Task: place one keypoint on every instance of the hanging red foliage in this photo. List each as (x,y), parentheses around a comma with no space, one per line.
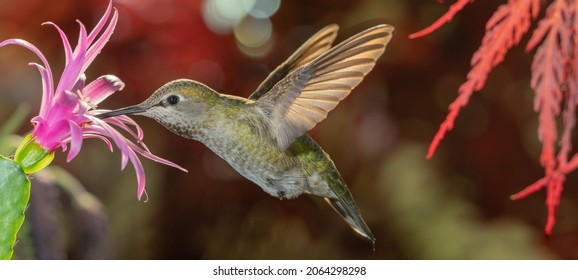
(554,80)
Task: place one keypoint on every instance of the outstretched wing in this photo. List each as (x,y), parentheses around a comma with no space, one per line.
(305,96)
(312,48)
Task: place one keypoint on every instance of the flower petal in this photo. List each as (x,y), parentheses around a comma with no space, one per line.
(63,107)
(100,23)
(153,157)
(101,88)
(98,136)
(73,69)
(118,139)
(95,49)
(127,153)
(46,88)
(65,42)
(124,145)
(124,124)
(79,85)
(46,74)
(50,136)
(28,45)
(140,174)
(75,140)
(128,121)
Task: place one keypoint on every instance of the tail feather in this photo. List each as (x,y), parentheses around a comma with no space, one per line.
(353,218)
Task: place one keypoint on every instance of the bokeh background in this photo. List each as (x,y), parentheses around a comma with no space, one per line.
(454,206)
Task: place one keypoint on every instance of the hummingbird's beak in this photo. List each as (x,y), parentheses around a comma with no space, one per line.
(124,111)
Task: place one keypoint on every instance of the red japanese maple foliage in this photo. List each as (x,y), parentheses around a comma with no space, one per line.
(554,80)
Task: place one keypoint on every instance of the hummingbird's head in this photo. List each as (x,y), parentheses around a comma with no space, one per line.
(174,105)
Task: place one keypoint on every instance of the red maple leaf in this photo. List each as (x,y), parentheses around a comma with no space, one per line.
(554,80)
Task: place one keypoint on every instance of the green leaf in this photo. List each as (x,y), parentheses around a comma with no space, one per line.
(14,195)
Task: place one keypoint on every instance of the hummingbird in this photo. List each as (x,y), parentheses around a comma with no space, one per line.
(264,137)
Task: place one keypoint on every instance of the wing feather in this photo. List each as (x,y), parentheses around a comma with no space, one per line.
(311,49)
(305,96)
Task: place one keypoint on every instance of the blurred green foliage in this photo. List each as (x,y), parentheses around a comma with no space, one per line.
(437,222)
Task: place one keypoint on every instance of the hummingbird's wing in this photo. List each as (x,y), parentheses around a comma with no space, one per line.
(312,48)
(305,96)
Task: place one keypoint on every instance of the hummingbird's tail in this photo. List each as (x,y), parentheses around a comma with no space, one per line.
(353,218)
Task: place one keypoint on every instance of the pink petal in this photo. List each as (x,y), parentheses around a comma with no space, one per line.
(29,46)
(100,23)
(50,136)
(95,49)
(125,145)
(73,69)
(62,108)
(75,140)
(46,88)
(37,120)
(96,130)
(65,42)
(126,152)
(39,126)
(127,120)
(140,174)
(123,125)
(98,136)
(101,88)
(47,96)
(153,157)
(80,83)
(116,137)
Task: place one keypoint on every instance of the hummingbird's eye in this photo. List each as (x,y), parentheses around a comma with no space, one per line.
(173,99)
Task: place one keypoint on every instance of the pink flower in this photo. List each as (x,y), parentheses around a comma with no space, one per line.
(67,112)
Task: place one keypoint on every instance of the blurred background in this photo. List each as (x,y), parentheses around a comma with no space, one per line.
(454,206)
